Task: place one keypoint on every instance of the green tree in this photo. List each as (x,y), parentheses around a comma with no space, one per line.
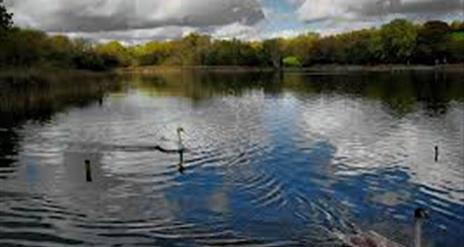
(273,51)
(114,54)
(457,26)
(24,47)
(375,47)
(300,47)
(432,42)
(398,41)
(86,57)
(153,53)
(193,49)
(88,60)
(327,50)
(61,50)
(233,52)
(456,47)
(355,47)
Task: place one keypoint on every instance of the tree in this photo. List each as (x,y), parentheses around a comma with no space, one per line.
(61,49)
(432,42)
(193,49)
(273,50)
(398,41)
(457,26)
(353,47)
(327,50)
(153,53)
(6,19)
(114,54)
(375,47)
(300,47)
(24,47)
(88,60)
(456,47)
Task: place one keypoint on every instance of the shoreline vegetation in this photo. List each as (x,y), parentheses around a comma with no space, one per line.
(19,75)
(39,74)
(315,68)
(399,45)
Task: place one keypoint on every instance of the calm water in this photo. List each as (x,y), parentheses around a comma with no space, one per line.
(272,160)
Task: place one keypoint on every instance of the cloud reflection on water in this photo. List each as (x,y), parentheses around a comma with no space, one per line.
(292,150)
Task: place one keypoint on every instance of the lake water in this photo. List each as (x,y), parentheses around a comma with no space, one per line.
(271,159)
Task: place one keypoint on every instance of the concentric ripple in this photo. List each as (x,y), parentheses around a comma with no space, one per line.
(299,161)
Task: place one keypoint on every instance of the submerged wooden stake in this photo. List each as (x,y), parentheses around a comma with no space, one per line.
(88,171)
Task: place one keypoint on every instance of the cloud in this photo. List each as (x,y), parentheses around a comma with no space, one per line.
(135,36)
(141,20)
(236,30)
(316,10)
(118,15)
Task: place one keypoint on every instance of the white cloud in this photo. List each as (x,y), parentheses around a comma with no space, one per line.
(314,10)
(134,36)
(322,9)
(236,30)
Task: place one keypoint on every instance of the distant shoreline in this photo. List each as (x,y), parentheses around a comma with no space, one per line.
(316,68)
(38,74)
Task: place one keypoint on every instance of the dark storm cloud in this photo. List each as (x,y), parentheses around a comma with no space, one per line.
(118,15)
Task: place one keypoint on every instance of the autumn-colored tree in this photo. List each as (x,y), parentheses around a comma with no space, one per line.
(114,54)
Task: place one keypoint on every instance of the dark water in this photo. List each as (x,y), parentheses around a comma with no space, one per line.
(271,160)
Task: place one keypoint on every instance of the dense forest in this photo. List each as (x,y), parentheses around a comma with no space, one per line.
(398,42)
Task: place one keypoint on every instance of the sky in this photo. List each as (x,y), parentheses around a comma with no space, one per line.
(135,21)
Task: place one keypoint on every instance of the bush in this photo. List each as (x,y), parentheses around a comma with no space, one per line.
(292,61)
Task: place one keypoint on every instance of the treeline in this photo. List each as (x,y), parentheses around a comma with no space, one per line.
(26,48)
(398,42)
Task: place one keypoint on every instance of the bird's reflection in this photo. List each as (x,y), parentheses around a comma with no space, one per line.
(180,165)
(177,148)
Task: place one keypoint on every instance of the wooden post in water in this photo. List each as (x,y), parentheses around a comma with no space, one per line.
(88,171)
(436,154)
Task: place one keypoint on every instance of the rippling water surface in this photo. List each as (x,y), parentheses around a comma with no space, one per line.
(272,160)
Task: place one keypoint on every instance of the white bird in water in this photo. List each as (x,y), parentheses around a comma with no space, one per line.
(177,147)
(373,239)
